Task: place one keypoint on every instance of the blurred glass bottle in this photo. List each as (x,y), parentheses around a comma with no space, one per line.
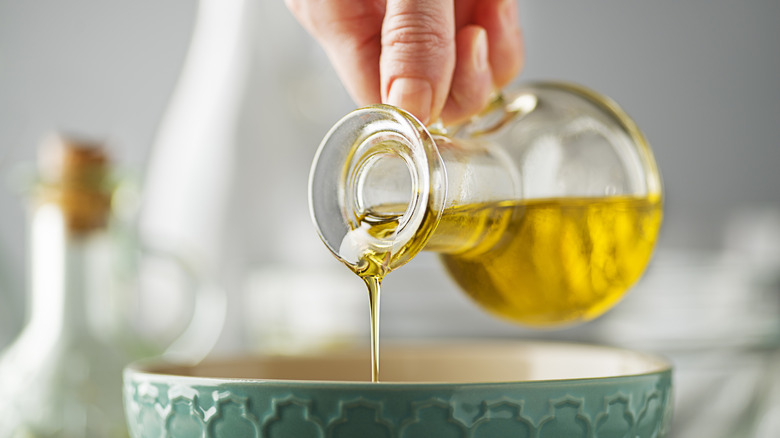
(188,181)
(62,376)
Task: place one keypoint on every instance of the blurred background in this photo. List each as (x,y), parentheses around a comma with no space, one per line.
(215,117)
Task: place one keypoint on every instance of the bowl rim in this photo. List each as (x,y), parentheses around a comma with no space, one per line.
(153,369)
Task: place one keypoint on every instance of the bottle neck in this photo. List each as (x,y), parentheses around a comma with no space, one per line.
(377,189)
(63,273)
(381,182)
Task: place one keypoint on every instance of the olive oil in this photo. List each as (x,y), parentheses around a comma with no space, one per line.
(551,262)
(373,283)
(540,262)
(372,267)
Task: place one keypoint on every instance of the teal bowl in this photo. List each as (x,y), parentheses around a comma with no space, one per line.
(480,390)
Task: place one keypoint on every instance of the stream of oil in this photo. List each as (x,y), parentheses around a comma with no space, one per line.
(372,266)
(373,283)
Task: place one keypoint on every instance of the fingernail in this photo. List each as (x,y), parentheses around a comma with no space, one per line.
(480,54)
(412,94)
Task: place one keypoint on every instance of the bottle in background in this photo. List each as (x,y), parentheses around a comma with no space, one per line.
(62,375)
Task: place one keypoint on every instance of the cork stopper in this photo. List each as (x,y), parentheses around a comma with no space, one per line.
(74,174)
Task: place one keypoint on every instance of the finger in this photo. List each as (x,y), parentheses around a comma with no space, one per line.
(472,81)
(350,34)
(357,65)
(506,54)
(418,55)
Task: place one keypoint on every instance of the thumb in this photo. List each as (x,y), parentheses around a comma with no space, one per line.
(418,55)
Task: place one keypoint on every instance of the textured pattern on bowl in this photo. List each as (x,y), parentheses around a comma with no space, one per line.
(631,405)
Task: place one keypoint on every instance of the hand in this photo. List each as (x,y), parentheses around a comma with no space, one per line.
(434,58)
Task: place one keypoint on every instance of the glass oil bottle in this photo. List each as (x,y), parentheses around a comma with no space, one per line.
(62,375)
(544,209)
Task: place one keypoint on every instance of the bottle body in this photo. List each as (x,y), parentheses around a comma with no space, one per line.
(59,379)
(545,210)
(547,262)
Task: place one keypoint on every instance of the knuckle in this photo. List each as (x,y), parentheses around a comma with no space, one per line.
(411,34)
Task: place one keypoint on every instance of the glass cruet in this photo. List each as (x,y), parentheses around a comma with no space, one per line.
(544,209)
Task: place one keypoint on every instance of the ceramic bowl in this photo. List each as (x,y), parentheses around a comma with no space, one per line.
(540,390)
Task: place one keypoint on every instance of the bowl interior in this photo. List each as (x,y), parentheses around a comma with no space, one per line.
(441,363)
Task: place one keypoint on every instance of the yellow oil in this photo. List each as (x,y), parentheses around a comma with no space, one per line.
(372,268)
(551,262)
(542,262)
(373,283)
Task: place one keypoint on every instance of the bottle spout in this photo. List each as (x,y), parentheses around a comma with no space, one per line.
(376,189)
